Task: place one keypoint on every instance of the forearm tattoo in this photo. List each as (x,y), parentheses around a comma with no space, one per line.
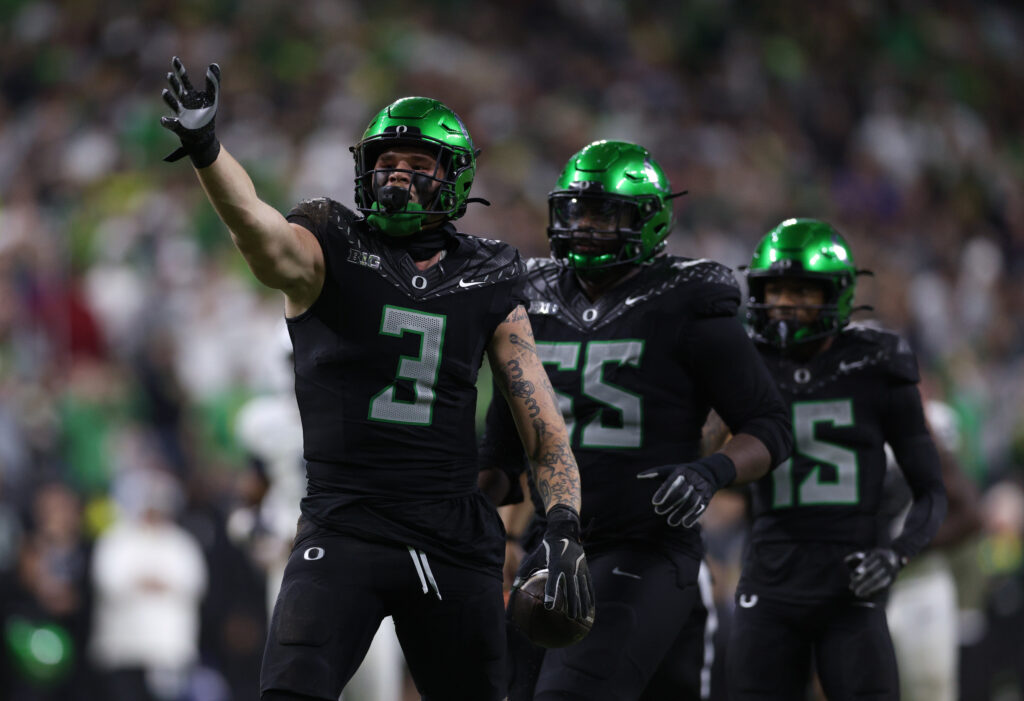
(555,473)
(526,384)
(523,389)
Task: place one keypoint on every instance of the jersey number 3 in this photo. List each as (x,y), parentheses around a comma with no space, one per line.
(421,370)
(813,489)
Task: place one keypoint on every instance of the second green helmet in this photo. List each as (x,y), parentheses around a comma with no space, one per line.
(808,249)
(423,123)
(611,206)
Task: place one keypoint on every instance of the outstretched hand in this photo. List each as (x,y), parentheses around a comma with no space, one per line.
(194,114)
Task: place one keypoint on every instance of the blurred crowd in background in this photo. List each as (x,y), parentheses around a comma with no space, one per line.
(135,531)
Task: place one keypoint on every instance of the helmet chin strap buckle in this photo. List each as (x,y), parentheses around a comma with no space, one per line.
(393,198)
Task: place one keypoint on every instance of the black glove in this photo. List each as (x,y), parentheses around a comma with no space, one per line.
(873,571)
(687,489)
(561,553)
(194,114)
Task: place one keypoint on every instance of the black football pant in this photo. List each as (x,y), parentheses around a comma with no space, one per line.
(648,641)
(337,589)
(773,643)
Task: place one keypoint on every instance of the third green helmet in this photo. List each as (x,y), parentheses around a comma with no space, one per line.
(611,206)
(423,123)
(807,249)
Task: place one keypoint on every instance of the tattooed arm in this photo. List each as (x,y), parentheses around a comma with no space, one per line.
(522,379)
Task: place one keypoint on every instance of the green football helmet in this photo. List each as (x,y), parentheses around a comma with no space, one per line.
(611,207)
(807,249)
(424,123)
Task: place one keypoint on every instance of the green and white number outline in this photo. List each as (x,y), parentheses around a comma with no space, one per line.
(812,490)
(422,369)
(565,356)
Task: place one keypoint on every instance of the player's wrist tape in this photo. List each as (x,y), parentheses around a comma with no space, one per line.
(564,520)
(717,468)
(202,155)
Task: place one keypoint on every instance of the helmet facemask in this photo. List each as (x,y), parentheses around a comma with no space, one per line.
(809,251)
(611,209)
(787,330)
(428,127)
(592,231)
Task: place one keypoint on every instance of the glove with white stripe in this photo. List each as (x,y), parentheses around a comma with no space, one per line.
(686,490)
(569,586)
(194,114)
(873,571)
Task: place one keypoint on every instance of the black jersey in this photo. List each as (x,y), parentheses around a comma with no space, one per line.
(636,373)
(386,363)
(847,403)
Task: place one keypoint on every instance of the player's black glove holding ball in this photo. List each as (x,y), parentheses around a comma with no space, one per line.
(561,565)
(194,113)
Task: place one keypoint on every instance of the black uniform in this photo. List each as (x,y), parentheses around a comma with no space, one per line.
(821,505)
(636,373)
(386,363)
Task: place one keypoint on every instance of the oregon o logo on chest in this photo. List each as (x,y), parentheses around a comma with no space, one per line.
(419,282)
(589,315)
(314,553)
(802,376)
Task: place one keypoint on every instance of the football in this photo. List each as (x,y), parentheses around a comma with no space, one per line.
(543,627)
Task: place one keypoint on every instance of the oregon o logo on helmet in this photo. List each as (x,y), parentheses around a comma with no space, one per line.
(401,129)
(314,553)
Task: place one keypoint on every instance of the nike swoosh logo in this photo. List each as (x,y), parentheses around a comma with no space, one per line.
(846,367)
(630,301)
(622,573)
(748,601)
(471,283)
(565,545)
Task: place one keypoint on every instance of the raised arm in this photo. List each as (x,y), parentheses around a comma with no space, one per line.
(523,381)
(281,255)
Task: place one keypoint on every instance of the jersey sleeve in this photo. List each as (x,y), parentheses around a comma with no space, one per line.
(515,294)
(327,220)
(907,434)
(732,376)
(713,291)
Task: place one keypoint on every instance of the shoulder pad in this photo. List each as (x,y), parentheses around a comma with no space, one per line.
(542,276)
(325,213)
(492,260)
(711,288)
(890,352)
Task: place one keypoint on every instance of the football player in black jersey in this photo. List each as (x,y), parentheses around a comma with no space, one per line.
(639,346)
(817,569)
(390,313)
